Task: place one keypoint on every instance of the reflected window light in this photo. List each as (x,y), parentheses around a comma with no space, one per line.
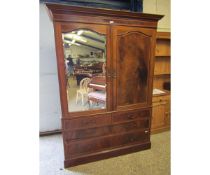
(75,37)
(80,32)
(77,44)
(71,42)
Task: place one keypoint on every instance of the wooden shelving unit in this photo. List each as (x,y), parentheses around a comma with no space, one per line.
(162,73)
(162,69)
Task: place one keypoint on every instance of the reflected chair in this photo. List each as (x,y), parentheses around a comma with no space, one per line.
(97,97)
(83,89)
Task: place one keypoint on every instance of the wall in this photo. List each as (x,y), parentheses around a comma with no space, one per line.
(159,7)
(49,90)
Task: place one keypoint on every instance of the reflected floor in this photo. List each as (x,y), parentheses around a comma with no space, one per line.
(72,105)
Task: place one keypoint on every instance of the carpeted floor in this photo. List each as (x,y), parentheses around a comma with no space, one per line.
(155,161)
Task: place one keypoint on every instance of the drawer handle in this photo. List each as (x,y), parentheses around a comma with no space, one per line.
(146,132)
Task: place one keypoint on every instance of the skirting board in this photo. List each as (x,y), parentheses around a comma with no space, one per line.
(47,133)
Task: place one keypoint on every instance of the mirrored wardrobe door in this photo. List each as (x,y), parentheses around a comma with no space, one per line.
(85,60)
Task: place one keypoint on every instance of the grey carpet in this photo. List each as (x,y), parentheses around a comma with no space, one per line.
(155,161)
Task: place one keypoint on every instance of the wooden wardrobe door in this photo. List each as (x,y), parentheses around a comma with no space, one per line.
(133,52)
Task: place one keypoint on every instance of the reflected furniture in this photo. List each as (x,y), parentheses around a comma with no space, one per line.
(98,82)
(123,126)
(83,89)
(97,97)
(98,94)
(87,71)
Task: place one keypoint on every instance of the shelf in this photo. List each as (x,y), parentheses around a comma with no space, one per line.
(163,48)
(164,56)
(162,68)
(163,35)
(162,79)
(161,74)
(159,80)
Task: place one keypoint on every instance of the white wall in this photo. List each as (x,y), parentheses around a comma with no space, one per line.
(162,7)
(49,90)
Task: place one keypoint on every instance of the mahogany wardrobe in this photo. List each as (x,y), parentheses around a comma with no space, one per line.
(105,61)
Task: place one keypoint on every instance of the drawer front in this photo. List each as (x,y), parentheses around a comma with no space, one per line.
(138,136)
(99,144)
(87,122)
(122,117)
(129,126)
(86,133)
(161,98)
(105,130)
(75,148)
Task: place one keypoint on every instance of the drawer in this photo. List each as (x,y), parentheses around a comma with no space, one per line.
(86,133)
(93,145)
(132,137)
(86,122)
(129,126)
(121,117)
(161,98)
(105,130)
(74,148)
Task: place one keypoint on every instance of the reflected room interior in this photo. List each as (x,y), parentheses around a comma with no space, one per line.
(85,63)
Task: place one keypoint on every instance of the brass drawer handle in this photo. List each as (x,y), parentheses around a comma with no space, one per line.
(146,132)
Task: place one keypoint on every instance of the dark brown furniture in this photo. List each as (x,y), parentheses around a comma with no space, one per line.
(124,125)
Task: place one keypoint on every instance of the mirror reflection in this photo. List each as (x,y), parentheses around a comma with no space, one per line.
(85,63)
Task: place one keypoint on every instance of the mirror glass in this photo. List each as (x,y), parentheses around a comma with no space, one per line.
(85,63)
